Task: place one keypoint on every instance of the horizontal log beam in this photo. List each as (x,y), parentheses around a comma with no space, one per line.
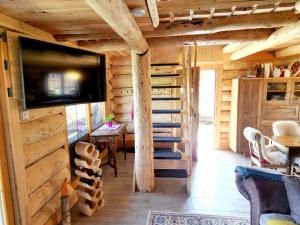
(233,47)
(221,38)
(282,35)
(288,52)
(259,21)
(117,15)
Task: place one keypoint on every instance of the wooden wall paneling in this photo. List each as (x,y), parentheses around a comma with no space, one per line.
(56,217)
(36,150)
(43,128)
(51,213)
(43,194)
(34,114)
(14,145)
(46,168)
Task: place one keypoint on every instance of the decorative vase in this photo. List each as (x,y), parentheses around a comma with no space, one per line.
(109,123)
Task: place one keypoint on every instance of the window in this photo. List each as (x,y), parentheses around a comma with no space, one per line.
(77,121)
(97,115)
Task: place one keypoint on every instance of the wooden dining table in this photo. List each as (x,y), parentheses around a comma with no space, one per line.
(291,142)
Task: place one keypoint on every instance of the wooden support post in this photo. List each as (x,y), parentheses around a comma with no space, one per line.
(194,107)
(187,104)
(144,163)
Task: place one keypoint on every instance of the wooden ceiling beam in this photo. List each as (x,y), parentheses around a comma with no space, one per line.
(221,38)
(261,21)
(288,52)
(280,36)
(153,12)
(233,47)
(116,14)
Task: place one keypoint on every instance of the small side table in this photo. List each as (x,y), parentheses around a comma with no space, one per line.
(109,136)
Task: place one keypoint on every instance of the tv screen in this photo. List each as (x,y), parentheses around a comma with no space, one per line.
(54,75)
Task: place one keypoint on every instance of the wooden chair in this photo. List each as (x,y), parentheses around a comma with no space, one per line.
(295,168)
(262,155)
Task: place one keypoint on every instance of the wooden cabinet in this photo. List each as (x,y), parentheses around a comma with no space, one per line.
(258,102)
(244,111)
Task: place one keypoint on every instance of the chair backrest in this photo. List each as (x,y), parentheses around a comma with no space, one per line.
(286,128)
(256,142)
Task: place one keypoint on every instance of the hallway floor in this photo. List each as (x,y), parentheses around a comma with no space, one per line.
(213,189)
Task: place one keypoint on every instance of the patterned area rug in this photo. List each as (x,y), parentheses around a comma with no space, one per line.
(170,218)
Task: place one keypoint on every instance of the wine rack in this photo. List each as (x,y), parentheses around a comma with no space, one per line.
(90,185)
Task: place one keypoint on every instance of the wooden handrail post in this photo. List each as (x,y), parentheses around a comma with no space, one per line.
(144,162)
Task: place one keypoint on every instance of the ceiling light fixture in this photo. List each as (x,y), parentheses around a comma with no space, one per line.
(138,12)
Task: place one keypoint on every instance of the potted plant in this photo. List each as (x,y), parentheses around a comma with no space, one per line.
(109,119)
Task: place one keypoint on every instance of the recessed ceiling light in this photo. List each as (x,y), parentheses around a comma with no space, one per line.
(138,12)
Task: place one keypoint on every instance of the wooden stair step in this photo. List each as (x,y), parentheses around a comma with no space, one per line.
(165,98)
(166,86)
(171,173)
(167,139)
(166,154)
(166,111)
(165,64)
(166,125)
(166,75)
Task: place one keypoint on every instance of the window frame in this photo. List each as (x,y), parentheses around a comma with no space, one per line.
(90,128)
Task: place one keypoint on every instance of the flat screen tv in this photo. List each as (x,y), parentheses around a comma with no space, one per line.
(54,75)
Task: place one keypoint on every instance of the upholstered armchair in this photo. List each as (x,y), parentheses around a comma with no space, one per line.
(265,191)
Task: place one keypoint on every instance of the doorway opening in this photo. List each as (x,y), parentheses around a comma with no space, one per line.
(206,109)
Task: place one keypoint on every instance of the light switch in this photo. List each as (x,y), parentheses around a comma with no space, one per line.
(24,115)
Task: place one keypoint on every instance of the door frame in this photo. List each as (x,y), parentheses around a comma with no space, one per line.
(218,97)
(4,180)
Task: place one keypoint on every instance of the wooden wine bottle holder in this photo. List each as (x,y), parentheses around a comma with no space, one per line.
(90,193)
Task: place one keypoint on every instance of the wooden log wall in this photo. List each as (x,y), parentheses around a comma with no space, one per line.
(121,92)
(44,146)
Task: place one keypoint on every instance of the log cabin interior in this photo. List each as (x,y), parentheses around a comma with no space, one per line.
(102,120)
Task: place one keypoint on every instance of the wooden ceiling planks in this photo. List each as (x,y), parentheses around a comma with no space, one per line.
(71,16)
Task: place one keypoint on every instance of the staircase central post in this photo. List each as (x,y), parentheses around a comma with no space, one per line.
(144,162)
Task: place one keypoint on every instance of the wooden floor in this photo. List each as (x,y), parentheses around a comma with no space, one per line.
(213,190)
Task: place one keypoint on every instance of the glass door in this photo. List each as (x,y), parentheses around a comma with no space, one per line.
(276,91)
(295,95)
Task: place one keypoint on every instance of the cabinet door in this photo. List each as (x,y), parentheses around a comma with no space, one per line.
(248,110)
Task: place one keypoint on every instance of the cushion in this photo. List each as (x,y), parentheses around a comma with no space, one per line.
(292,185)
(259,173)
(276,219)
(286,128)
